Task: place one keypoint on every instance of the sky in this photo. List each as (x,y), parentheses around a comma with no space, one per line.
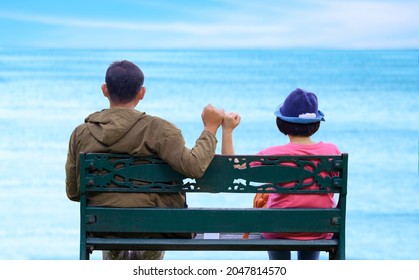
(204,24)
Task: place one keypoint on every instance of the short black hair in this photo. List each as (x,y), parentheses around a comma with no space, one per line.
(123,79)
(297,129)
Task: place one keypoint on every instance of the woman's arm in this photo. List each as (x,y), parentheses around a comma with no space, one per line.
(230,122)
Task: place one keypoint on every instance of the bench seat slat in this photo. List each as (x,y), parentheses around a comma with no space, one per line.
(210,244)
(211,220)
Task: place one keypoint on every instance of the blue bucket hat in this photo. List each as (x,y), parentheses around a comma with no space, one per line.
(300,106)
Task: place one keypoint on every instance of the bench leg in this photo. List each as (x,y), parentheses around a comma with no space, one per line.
(84,252)
(336,255)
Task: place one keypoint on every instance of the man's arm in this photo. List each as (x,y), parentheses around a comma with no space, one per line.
(71,171)
(170,144)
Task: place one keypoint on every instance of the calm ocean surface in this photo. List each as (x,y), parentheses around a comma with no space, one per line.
(370,100)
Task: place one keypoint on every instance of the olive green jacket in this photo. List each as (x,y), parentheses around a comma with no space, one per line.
(121,130)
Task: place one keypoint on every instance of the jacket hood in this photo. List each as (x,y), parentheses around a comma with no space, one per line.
(110,125)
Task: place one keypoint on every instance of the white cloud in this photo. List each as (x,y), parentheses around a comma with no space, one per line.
(181,27)
(334,24)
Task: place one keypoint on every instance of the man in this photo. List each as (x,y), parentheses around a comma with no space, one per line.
(123,129)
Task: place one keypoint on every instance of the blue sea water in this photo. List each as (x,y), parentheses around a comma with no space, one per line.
(370,99)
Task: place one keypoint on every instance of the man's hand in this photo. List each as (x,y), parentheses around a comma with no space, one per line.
(212,118)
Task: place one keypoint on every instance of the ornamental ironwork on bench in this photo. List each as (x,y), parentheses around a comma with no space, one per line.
(240,173)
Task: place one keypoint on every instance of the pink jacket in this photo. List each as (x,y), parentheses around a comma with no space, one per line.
(301,201)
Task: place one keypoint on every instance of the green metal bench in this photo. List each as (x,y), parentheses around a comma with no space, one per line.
(125,173)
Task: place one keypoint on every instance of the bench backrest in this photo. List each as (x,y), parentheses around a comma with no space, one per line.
(226,174)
